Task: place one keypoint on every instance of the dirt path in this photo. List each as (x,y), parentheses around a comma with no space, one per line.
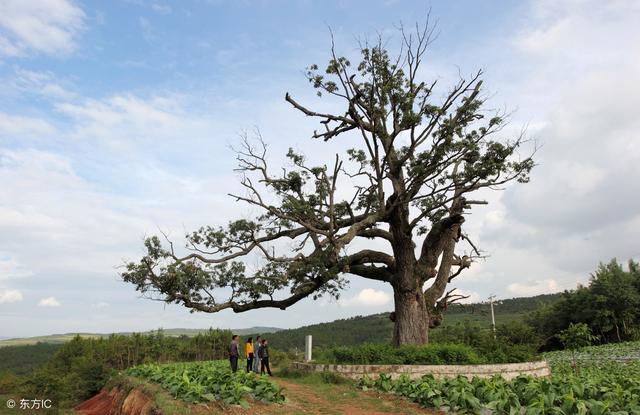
(327,399)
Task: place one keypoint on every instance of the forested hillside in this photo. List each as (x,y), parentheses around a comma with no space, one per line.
(22,360)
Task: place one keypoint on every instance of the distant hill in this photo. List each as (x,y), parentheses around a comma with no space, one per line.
(377,328)
(175,332)
(506,308)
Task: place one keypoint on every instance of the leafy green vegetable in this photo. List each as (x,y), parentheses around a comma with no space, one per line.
(600,388)
(208,381)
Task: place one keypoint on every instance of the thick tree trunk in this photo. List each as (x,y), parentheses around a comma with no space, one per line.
(411,318)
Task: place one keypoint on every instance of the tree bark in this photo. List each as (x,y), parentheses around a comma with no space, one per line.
(411,318)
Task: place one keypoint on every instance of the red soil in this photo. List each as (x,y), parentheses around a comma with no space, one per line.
(114,402)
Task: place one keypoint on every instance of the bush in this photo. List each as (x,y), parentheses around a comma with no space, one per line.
(486,350)
(518,332)
(514,341)
(281,359)
(432,354)
(497,351)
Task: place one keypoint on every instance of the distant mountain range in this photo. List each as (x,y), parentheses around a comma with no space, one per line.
(175,332)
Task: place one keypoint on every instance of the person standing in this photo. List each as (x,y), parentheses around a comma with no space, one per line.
(256,359)
(234,353)
(264,348)
(248,351)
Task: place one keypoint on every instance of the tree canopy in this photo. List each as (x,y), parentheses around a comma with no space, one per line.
(609,305)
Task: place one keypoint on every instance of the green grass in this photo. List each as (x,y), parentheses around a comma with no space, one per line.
(53,339)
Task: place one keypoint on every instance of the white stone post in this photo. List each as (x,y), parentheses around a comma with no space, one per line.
(307,348)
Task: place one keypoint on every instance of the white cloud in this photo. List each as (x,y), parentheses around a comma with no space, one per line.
(581,86)
(565,30)
(42,83)
(161,8)
(16,125)
(100,305)
(10,268)
(473,296)
(148,31)
(130,116)
(49,302)
(367,297)
(40,26)
(10,296)
(530,288)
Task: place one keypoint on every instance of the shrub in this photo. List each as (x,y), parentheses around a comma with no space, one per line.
(486,350)
(497,351)
(281,359)
(432,354)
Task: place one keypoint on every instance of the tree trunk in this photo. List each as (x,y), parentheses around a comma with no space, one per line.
(411,318)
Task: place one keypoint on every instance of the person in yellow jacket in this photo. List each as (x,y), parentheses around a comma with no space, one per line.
(248,351)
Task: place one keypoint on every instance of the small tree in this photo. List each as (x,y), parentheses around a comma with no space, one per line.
(406,184)
(574,338)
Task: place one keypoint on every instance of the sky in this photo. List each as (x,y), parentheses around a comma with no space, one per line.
(117,121)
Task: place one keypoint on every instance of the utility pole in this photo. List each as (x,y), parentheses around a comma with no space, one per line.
(493,317)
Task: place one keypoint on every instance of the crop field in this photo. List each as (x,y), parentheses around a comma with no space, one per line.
(599,388)
(627,351)
(209,381)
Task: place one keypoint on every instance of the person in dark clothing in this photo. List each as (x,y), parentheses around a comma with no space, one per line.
(234,353)
(264,357)
(248,350)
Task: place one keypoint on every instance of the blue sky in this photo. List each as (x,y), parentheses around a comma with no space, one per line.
(116,121)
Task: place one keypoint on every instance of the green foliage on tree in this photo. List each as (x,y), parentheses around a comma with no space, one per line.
(22,360)
(576,336)
(609,305)
(407,183)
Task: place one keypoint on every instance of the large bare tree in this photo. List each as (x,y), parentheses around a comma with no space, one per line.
(391,210)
